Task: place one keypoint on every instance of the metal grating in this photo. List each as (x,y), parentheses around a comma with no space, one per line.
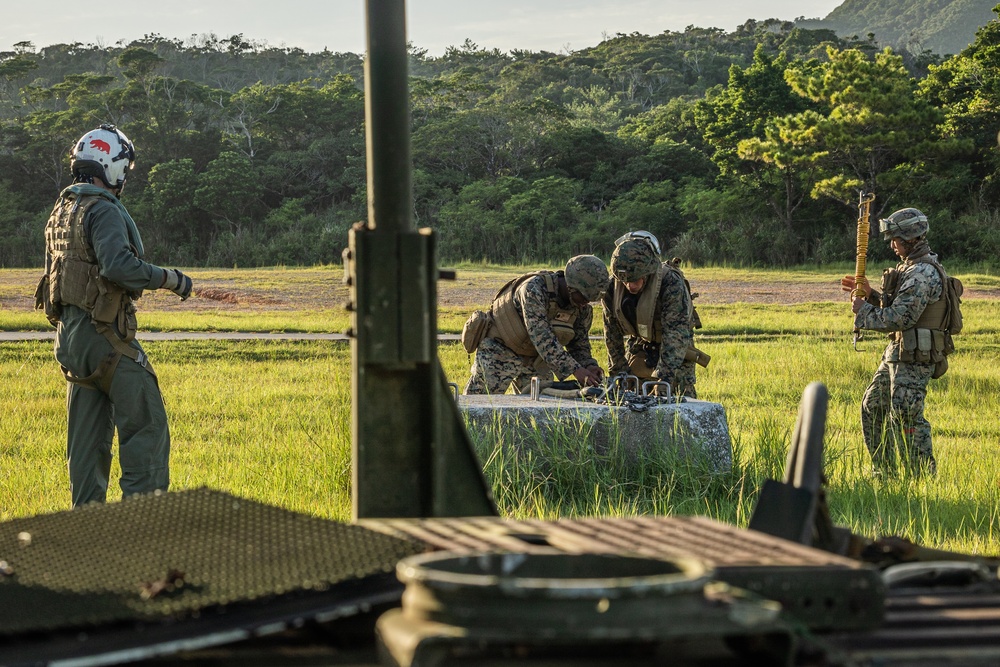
(665,537)
(174,555)
(247,571)
(822,590)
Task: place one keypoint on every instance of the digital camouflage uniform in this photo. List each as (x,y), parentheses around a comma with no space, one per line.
(665,357)
(497,367)
(129,399)
(892,410)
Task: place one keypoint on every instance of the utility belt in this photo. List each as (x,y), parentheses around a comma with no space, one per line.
(923,345)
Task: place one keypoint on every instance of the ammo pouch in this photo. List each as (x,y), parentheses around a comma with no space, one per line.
(80,284)
(475,329)
(923,346)
(649,353)
(642,358)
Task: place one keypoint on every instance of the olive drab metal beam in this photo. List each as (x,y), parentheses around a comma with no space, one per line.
(411,454)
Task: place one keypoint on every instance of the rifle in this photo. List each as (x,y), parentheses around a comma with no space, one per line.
(865,200)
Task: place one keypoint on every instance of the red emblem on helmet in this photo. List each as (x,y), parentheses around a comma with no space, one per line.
(101,145)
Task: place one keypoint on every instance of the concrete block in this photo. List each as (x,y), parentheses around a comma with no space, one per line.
(692,428)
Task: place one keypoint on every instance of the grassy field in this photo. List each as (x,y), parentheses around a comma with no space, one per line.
(271,420)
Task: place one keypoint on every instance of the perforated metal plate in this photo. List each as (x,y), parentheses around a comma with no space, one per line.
(177,556)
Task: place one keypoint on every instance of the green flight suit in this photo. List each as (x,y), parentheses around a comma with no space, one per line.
(132,404)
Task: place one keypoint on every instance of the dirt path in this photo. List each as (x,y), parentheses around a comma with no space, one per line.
(316,290)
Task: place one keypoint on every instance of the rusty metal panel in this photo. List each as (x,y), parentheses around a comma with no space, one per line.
(704,538)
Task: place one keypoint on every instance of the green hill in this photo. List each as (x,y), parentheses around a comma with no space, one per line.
(941,26)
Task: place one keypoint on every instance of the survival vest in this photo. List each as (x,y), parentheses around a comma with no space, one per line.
(508,324)
(647,325)
(74,277)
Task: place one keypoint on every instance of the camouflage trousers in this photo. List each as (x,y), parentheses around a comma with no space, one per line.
(684,380)
(496,367)
(892,418)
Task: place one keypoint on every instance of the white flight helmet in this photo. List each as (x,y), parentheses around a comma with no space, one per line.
(106,153)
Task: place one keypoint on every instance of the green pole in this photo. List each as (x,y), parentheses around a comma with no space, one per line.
(410,453)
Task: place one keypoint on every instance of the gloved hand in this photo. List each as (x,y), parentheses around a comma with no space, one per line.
(176,282)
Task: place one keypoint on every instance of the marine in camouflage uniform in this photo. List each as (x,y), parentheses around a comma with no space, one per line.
(94,270)
(541,326)
(892,410)
(649,317)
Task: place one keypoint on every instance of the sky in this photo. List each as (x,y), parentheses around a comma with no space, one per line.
(434,25)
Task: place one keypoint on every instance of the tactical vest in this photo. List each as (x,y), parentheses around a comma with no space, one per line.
(508,324)
(927,341)
(74,276)
(648,326)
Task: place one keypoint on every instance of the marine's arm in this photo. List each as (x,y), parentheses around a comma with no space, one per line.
(115,257)
(677,337)
(579,348)
(533,300)
(920,285)
(614,336)
(118,261)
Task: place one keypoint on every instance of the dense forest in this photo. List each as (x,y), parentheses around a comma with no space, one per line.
(746,147)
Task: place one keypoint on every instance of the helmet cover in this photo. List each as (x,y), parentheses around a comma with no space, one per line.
(634,259)
(587,275)
(104,152)
(648,237)
(906,224)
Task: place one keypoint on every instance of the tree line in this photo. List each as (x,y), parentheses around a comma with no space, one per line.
(747,147)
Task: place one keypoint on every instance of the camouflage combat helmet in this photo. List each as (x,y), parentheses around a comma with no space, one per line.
(634,258)
(587,275)
(906,224)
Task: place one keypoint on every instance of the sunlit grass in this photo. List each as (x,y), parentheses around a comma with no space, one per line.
(271,421)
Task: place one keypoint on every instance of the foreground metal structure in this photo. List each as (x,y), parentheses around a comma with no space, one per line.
(204,577)
(414,459)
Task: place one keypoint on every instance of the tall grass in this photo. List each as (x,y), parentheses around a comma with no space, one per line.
(271,421)
(268,421)
(760,367)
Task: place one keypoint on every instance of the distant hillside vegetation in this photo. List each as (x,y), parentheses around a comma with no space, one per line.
(941,26)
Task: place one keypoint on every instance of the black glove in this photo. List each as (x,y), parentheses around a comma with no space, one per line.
(176,282)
